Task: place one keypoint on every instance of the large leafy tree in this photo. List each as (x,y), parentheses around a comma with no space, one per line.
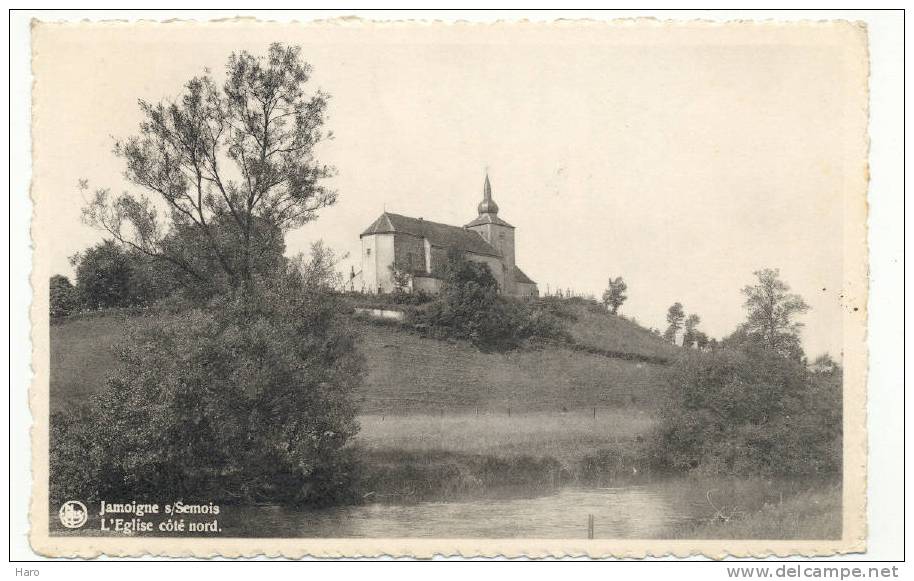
(749,411)
(184,242)
(772,311)
(247,401)
(614,295)
(247,398)
(108,276)
(62,295)
(103,276)
(674,317)
(241,154)
(690,336)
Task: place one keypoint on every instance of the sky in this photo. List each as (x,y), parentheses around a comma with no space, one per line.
(680,158)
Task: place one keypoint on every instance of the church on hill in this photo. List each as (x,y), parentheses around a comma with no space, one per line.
(421,246)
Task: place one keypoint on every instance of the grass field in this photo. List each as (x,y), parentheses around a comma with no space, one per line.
(567,437)
(83,350)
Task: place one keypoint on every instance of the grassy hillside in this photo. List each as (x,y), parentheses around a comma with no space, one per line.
(595,326)
(591,325)
(83,351)
(408,374)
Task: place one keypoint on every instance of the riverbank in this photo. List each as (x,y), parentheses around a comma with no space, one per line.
(814,513)
(661,508)
(492,457)
(492,454)
(566,436)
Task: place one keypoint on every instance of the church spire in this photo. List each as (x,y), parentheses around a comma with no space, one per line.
(488,205)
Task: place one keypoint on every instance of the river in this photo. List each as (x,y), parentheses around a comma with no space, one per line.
(660,508)
(642,511)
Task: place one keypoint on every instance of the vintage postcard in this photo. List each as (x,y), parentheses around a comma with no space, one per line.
(354,288)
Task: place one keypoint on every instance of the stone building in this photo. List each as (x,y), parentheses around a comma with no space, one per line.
(420,247)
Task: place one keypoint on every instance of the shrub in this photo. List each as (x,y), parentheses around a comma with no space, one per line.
(246,401)
(63,297)
(417,297)
(103,276)
(108,276)
(470,308)
(558,307)
(386,300)
(749,412)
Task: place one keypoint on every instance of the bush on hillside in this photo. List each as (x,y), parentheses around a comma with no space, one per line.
(556,307)
(109,276)
(742,339)
(407,303)
(417,297)
(246,401)
(103,276)
(63,298)
(749,412)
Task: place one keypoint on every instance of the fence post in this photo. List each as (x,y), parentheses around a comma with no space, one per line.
(594,413)
(589,526)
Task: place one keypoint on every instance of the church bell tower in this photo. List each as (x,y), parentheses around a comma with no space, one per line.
(496,232)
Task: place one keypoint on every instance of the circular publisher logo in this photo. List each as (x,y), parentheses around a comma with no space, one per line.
(73,514)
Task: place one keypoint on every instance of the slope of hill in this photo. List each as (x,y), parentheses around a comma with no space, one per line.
(596,327)
(591,325)
(82,351)
(407,373)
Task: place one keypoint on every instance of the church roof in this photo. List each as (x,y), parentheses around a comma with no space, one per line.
(488,209)
(487,205)
(519,276)
(488,219)
(440,235)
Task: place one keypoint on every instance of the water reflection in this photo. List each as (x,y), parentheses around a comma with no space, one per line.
(663,508)
(629,512)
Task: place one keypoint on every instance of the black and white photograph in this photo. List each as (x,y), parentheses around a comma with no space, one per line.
(532,289)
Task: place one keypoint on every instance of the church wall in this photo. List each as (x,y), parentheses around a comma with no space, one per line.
(438,258)
(426,284)
(410,250)
(502,239)
(525,289)
(369,276)
(377,255)
(495,266)
(380,251)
